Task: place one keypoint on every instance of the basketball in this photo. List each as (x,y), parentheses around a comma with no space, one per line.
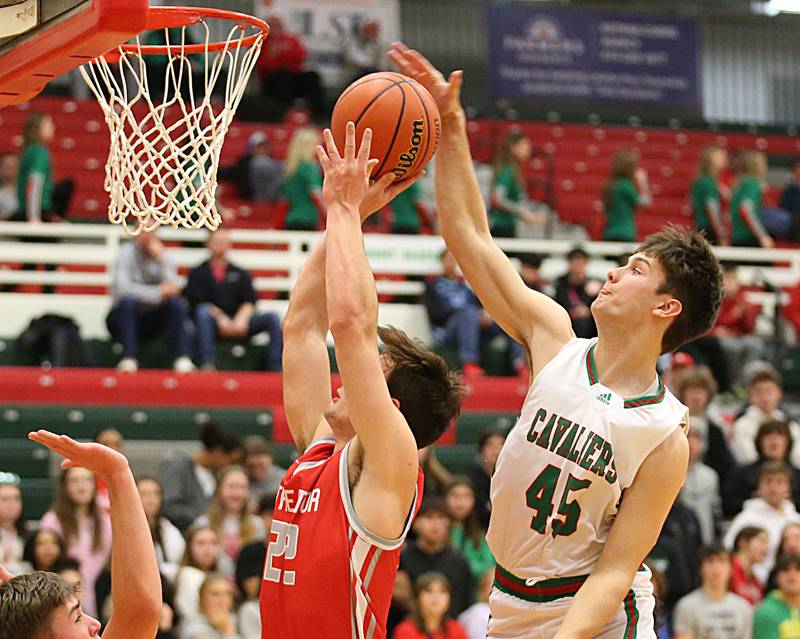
(402,115)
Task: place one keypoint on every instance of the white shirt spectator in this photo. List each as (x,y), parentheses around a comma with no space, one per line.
(743,445)
(699,616)
(170,551)
(250,620)
(700,492)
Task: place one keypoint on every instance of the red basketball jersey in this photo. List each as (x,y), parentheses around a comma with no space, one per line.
(325,574)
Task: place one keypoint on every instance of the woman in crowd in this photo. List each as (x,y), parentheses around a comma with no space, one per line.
(84,526)
(466,534)
(626,190)
(747,203)
(509,197)
(167,539)
(429,618)
(43,550)
(229,515)
(750,547)
(12,524)
(790,545)
(302,182)
(706,200)
(215,618)
(199,561)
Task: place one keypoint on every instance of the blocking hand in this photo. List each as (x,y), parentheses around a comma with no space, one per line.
(346,178)
(447,93)
(97,458)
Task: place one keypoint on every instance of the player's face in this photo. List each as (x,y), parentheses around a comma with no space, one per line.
(434,600)
(70,622)
(338,416)
(716,570)
(10,504)
(460,502)
(46,549)
(150,494)
(80,486)
(205,548)
(765,395)
(234,492)
(789,581)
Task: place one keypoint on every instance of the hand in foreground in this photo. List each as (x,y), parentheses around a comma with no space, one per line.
(384,190)
(447,93)
(97,458)
(5,575)
(346,178)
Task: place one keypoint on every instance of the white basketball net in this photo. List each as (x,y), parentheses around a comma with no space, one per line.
(165,148)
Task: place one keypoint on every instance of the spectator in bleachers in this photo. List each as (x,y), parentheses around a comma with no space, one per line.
(302,182)
(437,477)
(264,475)
(9,200)
(169,622)
(282,72)
(167,539)
(112,438)
(39,199)
(466,534)
(490,443)
(749,548)
(12,524)
(256,174)
(695,387)
(773,442)
(683,527)
(669,559)
(43,549)
(189,482)
(215,618)
(790,201)
(250,572)
(747,203)
(70,570)
(224,301)
(229,514)
(199,560)
(712,610)
(402,602)
(429,615)
(509,197)
(661,620)
(776,617)
(706,200)
(765,394)
(626,189)
(84,526)
(431,551)
(530,265)
(475,619)
(771,510)
(363,52)
(410,214)
(700,490)
(791,311)
(789,545)
(575,291)
(147,302)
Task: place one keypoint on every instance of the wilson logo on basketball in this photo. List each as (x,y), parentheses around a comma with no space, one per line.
(407,159)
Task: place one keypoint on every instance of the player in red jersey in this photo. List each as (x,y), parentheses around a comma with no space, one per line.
(345,505)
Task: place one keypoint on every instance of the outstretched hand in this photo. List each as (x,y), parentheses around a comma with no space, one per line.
(346,178)
(97,458)
(446,92)
(384,190)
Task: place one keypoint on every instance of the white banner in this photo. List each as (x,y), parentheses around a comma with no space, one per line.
(325,26)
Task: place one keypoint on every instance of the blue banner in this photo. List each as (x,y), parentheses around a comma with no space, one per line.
(567,54)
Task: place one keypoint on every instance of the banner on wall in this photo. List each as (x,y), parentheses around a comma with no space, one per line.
(567,54)
(325,25)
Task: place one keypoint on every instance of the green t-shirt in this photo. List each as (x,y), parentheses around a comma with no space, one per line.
(704,188)
(620,225)
(35,159)
(506,178)
(297,189)
(404,212)
(774,619)
(748,188)
(479,559)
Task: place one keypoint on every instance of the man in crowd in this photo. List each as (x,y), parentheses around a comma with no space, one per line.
(576,292)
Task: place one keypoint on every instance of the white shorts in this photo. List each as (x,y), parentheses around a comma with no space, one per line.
(537,612)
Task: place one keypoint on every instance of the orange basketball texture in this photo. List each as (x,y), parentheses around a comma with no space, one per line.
(403,117)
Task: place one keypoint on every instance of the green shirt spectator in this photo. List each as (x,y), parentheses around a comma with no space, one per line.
(620,223)
(503,222)
(298,189)
(479,558)
(35,182)
(746,224)
(405,214)
(775,619)
(705,202)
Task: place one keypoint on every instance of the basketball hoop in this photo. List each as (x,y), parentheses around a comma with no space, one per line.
(165,150)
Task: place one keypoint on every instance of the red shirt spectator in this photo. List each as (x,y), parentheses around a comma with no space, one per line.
(737,316)
(282,51)
(792,310)
(744,585)
(408,630)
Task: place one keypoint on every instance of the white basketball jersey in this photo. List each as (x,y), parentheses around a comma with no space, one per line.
(576,447)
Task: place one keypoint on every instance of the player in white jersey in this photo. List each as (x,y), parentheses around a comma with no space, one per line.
(589,472)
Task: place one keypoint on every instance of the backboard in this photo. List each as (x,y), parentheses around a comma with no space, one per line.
(43,39)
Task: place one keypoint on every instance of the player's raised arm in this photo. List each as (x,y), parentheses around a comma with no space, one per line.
(389,447)
(524,314)
(135,582)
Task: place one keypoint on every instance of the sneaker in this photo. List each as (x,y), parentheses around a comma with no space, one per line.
(183,365)
(128,365)
(471,369)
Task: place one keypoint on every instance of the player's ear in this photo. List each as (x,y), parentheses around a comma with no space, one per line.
(670,307)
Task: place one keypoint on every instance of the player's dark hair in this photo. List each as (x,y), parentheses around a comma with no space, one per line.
(429,393)
(693,275)
(769,427)
(215,436)
(708,551)
(748,533)
(27,603)
(421,584)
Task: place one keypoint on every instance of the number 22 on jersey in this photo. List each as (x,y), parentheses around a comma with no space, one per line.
(539,497)
(284,545)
